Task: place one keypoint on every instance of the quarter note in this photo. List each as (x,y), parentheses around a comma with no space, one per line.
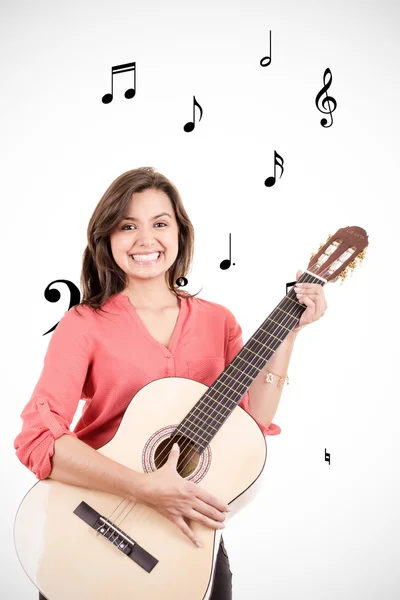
(268,58)
(107,98)
(270,181)
(225,264)
(191,124)
(326,100)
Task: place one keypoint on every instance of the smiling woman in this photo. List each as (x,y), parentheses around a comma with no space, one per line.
(140,213)
(132,327)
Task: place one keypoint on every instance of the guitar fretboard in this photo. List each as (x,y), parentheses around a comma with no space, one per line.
(214,407)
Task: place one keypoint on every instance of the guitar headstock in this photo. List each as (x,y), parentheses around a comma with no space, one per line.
(339,253)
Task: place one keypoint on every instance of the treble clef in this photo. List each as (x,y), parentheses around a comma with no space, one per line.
(326,100)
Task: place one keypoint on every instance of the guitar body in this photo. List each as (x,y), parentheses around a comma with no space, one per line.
(66,556)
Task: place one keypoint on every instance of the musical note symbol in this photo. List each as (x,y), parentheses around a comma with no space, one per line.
(270,181)
(107,98)
(326,100)
(267,57)
(327,457)
(54,296)
(290,284)
(191,124)
(225,264)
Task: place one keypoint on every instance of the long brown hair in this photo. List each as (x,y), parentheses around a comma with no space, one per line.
(101,277)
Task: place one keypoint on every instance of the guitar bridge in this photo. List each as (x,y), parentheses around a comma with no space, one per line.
(116,536)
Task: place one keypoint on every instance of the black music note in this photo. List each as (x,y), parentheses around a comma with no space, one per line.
(326,100)
(107,98)
(181,281)
(270,181)
(191,124)
(267,57)
(290,284)
(54,296)
(327,457)
(225,264)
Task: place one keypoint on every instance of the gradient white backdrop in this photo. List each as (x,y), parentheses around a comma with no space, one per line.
(315,531)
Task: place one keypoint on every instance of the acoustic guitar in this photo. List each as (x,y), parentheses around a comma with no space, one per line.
(76,543)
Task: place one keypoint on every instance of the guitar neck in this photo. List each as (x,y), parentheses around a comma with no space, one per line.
(214,407)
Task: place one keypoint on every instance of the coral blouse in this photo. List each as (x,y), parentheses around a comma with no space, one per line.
(106,358)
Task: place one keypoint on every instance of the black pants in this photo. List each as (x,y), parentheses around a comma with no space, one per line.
(222,586)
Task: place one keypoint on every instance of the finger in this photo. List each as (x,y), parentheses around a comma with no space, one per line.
(208,498)
(309,293)
(195,515)
(208,510)
(184,527)
(310,286)
(174,456)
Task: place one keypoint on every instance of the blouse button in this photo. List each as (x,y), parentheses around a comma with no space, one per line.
(41,401)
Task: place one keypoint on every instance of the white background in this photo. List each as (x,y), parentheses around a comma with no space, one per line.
(315,531)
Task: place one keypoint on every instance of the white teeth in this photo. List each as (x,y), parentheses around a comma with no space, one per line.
(145,257)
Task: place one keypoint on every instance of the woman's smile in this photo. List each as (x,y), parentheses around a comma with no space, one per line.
(145,261)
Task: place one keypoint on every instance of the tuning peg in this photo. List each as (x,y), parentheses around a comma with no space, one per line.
(312,255)
(361,256)
(344,274)
(329,236)
(352,265)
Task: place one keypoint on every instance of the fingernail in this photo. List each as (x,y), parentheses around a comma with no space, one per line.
(198,544)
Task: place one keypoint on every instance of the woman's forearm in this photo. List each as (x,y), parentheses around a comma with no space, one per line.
(264,397)
(76,463)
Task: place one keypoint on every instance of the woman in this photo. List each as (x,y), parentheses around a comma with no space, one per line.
(134,326)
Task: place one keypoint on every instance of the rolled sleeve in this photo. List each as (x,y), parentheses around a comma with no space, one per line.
(233,345)
(54,401)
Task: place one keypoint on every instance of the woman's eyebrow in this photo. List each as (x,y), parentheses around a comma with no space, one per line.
(156,217)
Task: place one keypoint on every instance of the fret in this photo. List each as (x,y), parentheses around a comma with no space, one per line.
(256,353)
(211,411)
(277,338)
(190,433)
(200,403)
(280,324)
(293,300)
(286,313)
(237,368)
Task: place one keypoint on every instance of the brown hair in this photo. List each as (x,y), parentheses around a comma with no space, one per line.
(101,277)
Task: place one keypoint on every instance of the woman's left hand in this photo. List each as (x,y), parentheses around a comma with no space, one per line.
(312,295)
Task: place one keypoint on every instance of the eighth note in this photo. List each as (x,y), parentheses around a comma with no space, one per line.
(327,457)
(225,264)
(267,57)
(290,284)
(107,98)
(270,181)
(191,124)
(326,100)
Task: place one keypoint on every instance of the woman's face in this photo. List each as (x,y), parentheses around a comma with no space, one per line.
(143,234)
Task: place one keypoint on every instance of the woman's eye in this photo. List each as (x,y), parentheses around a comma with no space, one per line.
(158,223)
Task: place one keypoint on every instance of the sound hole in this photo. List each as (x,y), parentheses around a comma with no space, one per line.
(188,455)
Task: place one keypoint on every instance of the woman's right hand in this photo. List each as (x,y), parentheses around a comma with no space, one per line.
(175,498)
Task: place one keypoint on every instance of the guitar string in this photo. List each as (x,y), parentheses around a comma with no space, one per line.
(285,321)
(275,330)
